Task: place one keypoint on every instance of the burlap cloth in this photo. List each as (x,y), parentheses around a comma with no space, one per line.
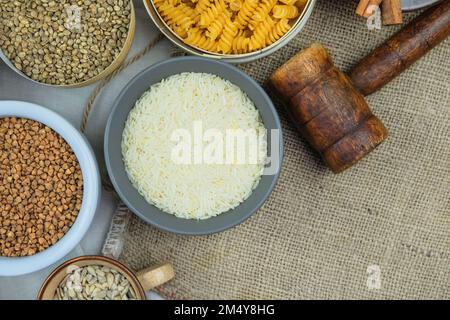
(319,233)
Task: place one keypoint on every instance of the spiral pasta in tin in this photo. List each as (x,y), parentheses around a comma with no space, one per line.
(244,15)
(216,27)
(225,43)
(240,44)
(261,34)
(176,18)
(214,10)
(278,30)
(195,37)
(230,26)
(201,5)
(235,5)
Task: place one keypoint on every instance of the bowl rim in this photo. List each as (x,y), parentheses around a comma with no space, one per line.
(116,185)
(119,265)
(13,266)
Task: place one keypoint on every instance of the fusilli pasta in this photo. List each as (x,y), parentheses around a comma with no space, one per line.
(244,15)
(235,5)
(216,27)
(230,26)
(279,29)
(285,11)
(230,30)
(197,38)
(175,16)
(214,10)
(259,38)
(202,5)
(289,2)
(261,12)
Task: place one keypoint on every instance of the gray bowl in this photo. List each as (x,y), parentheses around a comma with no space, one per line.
(113,153)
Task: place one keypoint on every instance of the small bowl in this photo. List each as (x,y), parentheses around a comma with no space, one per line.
(231,58)
(110,69)
(113,153)
(91,188)
(141,281)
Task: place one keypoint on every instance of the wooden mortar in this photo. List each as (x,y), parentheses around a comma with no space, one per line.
(329,109)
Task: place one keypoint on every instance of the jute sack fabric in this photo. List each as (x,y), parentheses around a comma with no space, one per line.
(380,230)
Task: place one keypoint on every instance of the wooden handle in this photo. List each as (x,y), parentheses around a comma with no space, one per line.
(403,49)
(155,276)
(327,109)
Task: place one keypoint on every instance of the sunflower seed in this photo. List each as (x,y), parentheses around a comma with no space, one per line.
(95,283)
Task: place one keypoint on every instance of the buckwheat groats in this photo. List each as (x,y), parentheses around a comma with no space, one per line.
(41,187)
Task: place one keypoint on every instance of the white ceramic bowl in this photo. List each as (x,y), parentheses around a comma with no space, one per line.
(91,188)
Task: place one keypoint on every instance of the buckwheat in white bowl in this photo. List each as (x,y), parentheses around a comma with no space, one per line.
(49,186)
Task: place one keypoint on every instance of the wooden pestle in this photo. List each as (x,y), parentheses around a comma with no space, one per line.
(329,109)
(403,49)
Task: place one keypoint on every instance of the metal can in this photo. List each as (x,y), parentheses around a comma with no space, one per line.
(110,69)
(231,58)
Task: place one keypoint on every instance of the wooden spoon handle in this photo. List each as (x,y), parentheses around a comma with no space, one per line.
(155,276)
(403,49)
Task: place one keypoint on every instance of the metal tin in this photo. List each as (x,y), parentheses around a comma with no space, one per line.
(110,69)
(409,5)
(231,58)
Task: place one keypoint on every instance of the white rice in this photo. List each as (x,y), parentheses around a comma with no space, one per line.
(191,191)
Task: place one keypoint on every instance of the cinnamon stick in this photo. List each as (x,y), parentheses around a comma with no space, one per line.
(370,7)
(362,6)
(392,12)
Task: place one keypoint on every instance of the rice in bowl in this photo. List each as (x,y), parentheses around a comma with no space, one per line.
(181,104)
